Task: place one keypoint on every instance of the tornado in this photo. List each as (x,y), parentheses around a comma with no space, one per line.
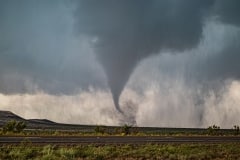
(127,31)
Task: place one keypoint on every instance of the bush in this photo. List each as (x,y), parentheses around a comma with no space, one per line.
(126,129)
(213,130)
(14,126)
(20,126)
(236,129)
(99,129)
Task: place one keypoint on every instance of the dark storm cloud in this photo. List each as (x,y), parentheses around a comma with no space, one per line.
(228,11)
(223,65)
(37,46)
(129,30)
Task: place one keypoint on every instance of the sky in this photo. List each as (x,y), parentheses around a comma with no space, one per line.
(147,63)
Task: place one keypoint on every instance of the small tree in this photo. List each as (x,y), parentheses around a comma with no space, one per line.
(213,130)
(236,129)
(126,129)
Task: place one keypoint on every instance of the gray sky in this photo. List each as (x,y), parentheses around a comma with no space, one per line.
(38,46)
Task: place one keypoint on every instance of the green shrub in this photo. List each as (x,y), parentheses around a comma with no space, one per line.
(20,126)
(213,130)
(126,129)
(99,129)
(67,153)
(236,129)
(14,126)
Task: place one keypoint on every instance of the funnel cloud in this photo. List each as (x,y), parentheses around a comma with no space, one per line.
(128,31)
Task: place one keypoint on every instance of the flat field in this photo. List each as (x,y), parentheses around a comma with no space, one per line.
(145,151)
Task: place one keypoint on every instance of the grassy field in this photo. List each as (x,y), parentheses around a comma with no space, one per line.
(147,151)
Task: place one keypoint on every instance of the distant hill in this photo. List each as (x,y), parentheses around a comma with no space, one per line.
(6,116)
(43,121)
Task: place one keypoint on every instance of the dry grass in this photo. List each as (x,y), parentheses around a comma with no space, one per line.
(148,151)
